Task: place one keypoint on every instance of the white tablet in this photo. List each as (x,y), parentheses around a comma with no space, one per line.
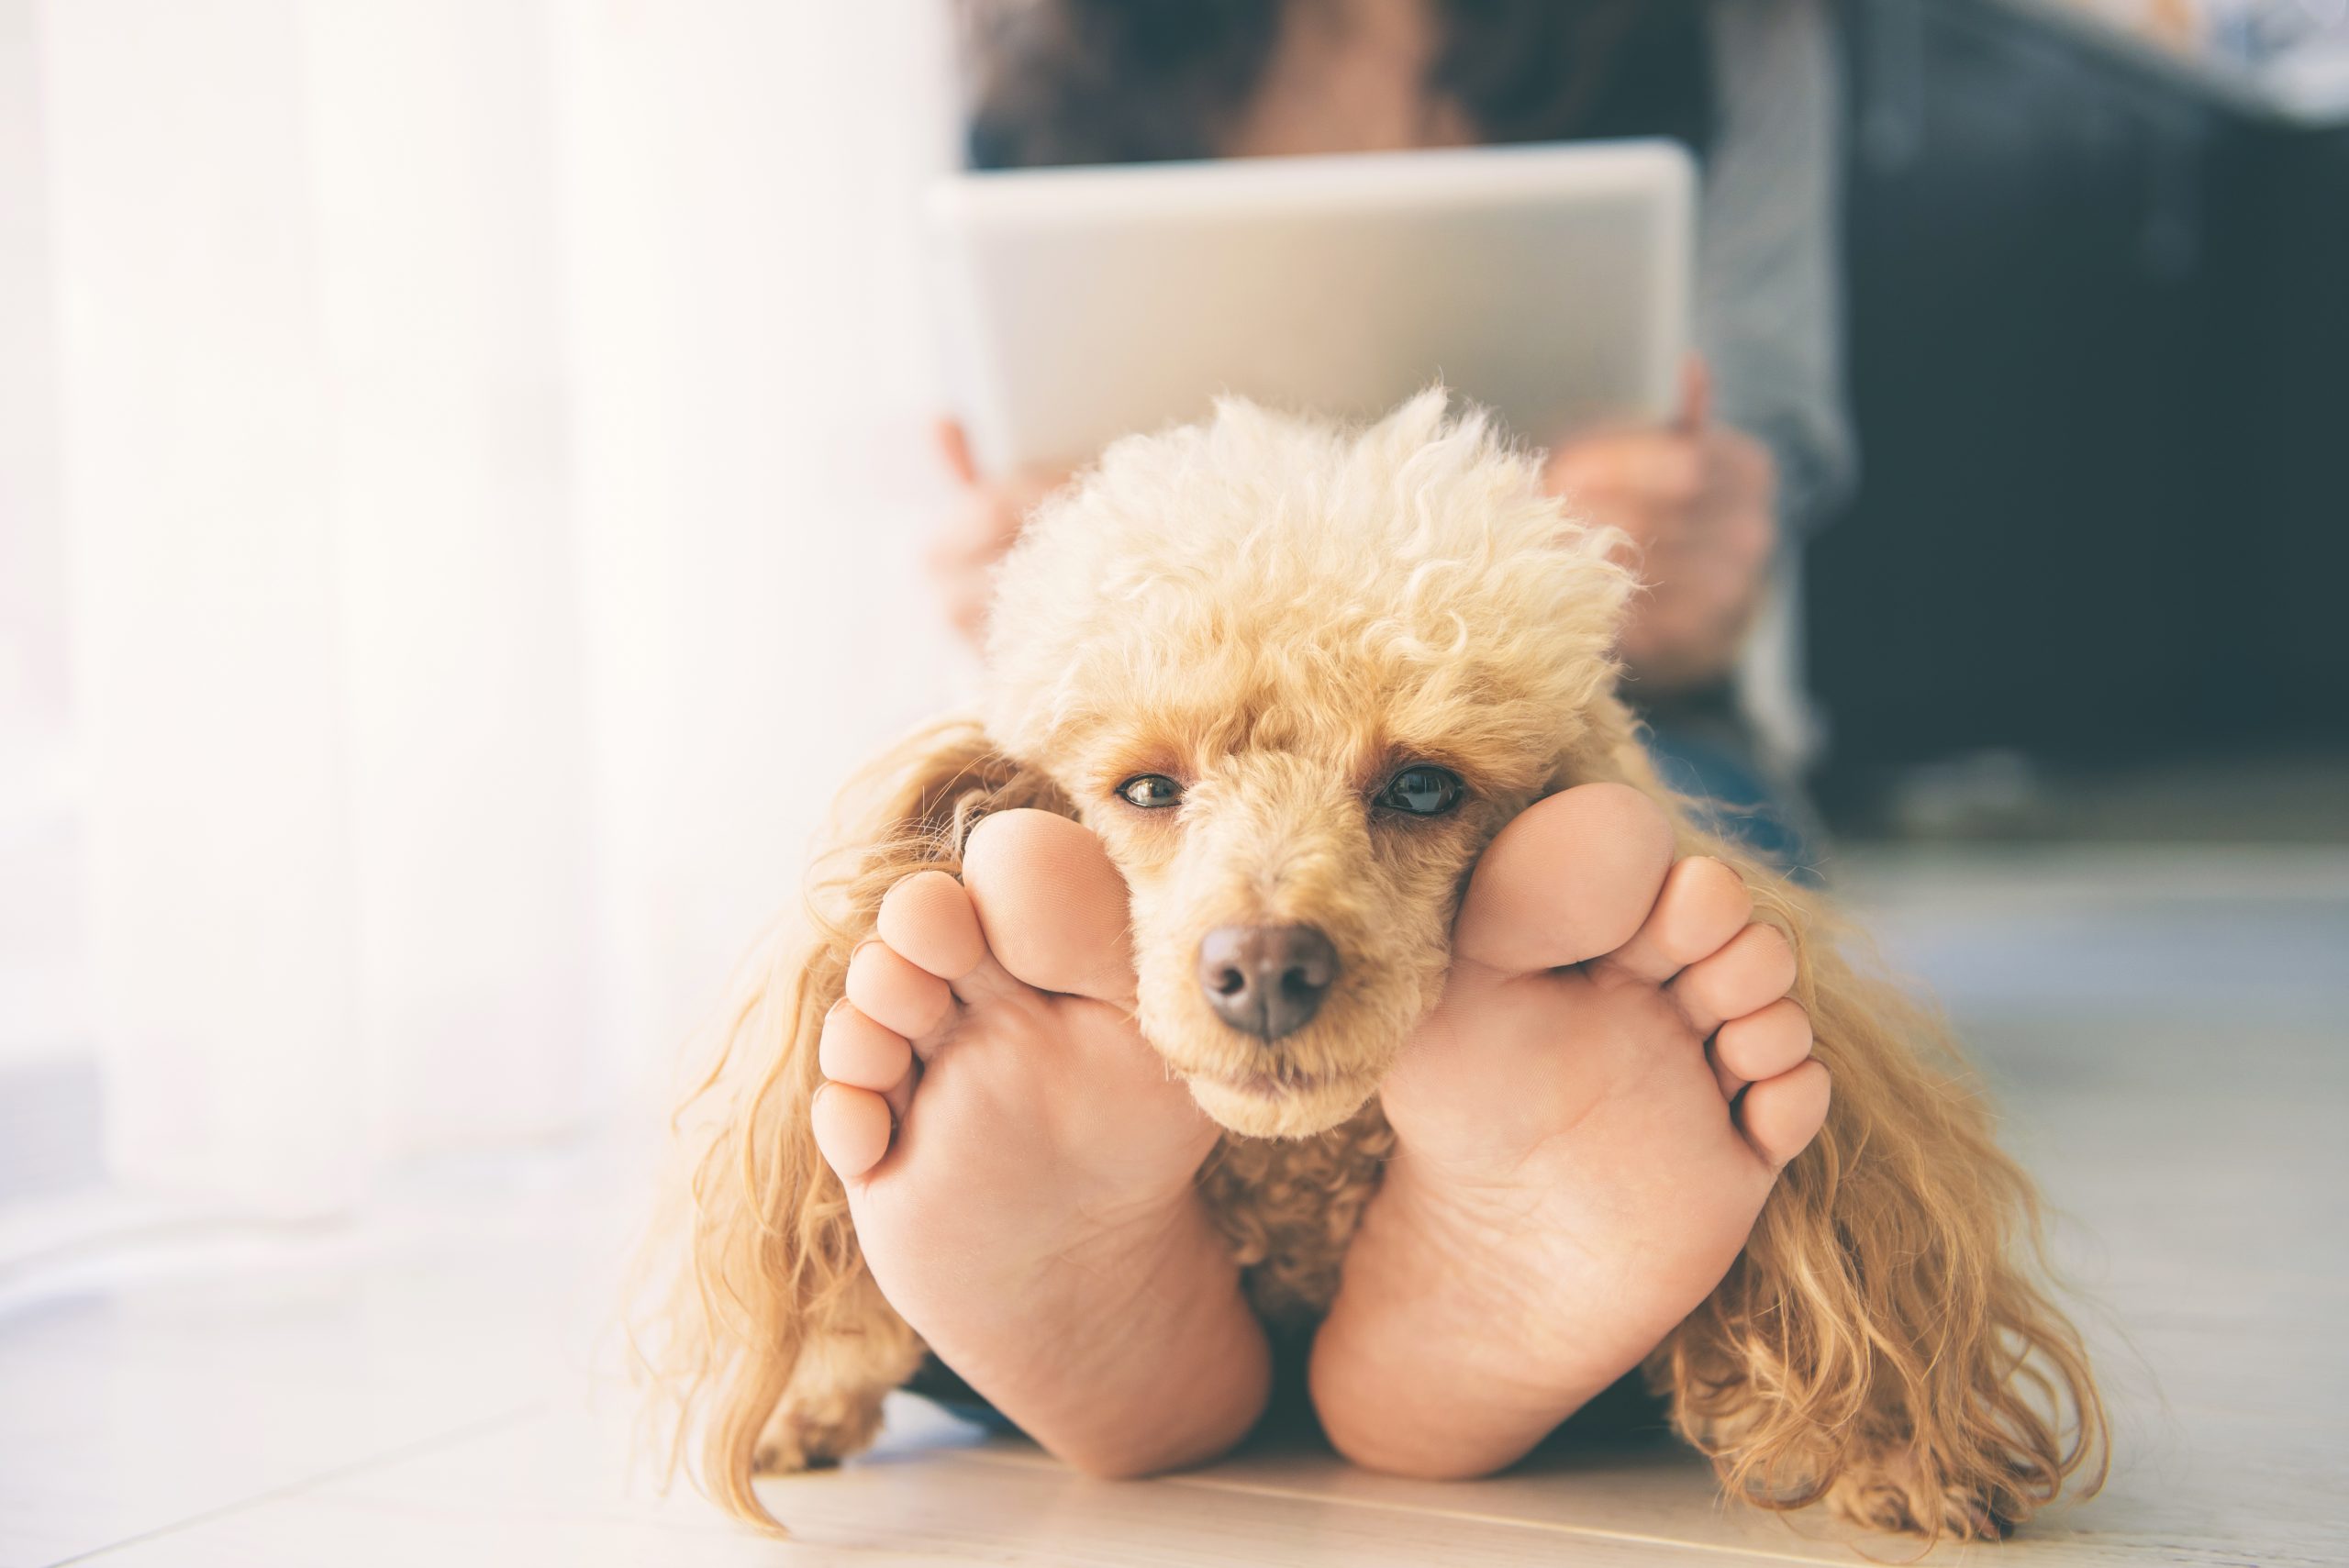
(1550,283)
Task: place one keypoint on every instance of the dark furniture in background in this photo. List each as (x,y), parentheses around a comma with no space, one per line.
(2099,356)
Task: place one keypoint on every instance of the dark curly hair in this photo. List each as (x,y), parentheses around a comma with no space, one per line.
(1059,81)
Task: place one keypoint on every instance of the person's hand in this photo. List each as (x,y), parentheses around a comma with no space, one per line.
(1698,501)
(985,523)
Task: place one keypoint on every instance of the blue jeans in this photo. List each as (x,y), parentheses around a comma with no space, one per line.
(1708,756)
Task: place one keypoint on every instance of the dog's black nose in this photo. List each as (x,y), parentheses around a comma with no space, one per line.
(1267,980)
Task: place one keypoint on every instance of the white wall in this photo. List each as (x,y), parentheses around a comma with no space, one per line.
(43,1009)
(490,437)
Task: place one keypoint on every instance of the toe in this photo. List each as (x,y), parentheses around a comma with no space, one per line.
(1704,904)
(852,1128)
(1572,877)
(1780,1116)
(856,1052)
(899,995)
(1763,1045)
(1752,969)
(926,918)
(1051,906)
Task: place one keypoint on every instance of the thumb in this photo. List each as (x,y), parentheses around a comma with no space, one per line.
(1696,394)
(954,446)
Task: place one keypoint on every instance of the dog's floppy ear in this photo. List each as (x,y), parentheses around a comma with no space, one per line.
(1887,1339)
(774,1298)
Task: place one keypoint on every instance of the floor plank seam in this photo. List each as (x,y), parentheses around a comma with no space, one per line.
(421,1446)
(1466,1516)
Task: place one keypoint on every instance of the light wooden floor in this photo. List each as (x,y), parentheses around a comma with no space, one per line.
(2164,1029)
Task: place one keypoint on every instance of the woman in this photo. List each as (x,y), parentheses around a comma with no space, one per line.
(1762,450)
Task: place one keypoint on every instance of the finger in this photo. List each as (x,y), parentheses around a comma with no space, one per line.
(1744,468)
(1644,530)
(854,1051)
(1745,538)
(895,993)
(1752,970)
(1568,466)
(1572,877)
(1697,613)
(1038,482)
(1051,906)
(1696,394)
(972,540)
(1703,905)
(954,446)
(967,611)
(1782,1115)
(1656,466)
(851,1127)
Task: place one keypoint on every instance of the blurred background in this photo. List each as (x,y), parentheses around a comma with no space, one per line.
(463,469)
(2097,325)
(464,473)
(466,466)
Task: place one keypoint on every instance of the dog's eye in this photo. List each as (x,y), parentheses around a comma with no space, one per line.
(1150,791)
(1421,790)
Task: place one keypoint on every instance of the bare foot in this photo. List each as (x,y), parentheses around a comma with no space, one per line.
(1019,1166)
(1587,1128)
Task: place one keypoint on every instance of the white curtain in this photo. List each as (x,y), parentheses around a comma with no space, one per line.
(490,461)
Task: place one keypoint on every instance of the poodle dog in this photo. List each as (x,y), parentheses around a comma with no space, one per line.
(1307,607)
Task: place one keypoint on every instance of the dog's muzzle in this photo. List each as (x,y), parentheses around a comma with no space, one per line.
(1267,980)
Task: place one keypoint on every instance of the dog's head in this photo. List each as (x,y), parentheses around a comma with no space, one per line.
(1295,678)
